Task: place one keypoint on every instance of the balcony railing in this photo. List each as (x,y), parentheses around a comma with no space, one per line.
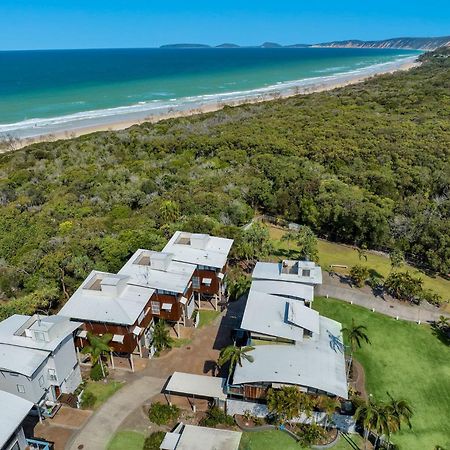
(36,444)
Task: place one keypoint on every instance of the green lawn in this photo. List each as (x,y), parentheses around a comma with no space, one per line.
(207,317)
(102,390)
(129,440)
(278,440)
(331,253)
(407,360)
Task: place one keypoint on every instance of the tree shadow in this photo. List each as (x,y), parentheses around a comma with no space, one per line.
(442,335)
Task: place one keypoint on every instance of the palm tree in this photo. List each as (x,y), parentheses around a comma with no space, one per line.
(234,355)
(372,416)
(443,323)
(362,252)
(161,336)
(356,334)
(401,411)
(98,346)
(328,405)
(238,287)
(285,403)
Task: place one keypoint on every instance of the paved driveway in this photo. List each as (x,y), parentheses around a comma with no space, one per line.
(96,434)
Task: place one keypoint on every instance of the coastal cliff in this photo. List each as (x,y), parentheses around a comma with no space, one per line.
(406,43)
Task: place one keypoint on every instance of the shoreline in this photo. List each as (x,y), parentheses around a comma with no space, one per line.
(300,87)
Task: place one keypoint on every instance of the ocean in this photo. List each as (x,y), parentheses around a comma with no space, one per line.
(49,91)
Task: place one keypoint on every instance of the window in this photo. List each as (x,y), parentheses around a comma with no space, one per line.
(156,307)
(306,273)
(41,381)
(39,336)
(207,281)
(196,282)
(21,388)
(52,374)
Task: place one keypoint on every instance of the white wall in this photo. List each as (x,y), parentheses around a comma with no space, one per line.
(19,438)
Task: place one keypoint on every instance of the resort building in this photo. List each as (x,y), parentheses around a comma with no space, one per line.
(209,255)
(301,272)
(294,345)
(12,413)
(173,297)
(191,437)
(38,361)
(110,303)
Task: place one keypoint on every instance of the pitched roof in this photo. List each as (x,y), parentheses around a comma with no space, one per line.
(158,270)
(290,271)
(20,349)
(318,364)
(106,297)
(199,249)
(12,412)
(200,385)
(284,288)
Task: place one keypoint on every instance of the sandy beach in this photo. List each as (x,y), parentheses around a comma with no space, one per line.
(302,87)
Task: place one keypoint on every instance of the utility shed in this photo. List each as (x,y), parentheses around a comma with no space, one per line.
(191,437)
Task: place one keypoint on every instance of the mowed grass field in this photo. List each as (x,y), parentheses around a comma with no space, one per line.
(331,253)
(127,440)
(408,361)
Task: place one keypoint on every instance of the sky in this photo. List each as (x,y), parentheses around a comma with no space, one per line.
(49,24)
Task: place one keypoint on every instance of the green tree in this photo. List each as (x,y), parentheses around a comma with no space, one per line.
(238,287)
(328,405)
(169,212)
(288,402)
(234,355)
(403,286)
(362,252)
(97,348)
(253,243)
(397,258)
(289,237)
(161,336)
(356,335)
(307,244)
(359,275)
(401,411)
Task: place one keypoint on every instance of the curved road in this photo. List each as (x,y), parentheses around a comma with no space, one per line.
(102,425)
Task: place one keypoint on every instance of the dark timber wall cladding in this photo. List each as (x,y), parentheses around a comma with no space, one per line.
(254,392)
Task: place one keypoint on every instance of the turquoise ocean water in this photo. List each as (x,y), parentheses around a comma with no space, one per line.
(50,90)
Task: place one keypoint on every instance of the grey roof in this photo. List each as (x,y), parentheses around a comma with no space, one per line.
(20,351)
(315,363)
(13,331)
(284,288)
(106,297)
(278,316)
(199,249)
(158,270)
(290,271)
(201,438)
(201,385)
(21,360)
(12,412)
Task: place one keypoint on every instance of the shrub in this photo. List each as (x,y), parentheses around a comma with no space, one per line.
(359,275)
(153,441)
(88,399)
(96,373)
(162,414)
(431,297)
(309,434)
(215,416)
(403,286)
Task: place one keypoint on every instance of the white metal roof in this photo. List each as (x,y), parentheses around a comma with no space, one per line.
(199,249)
(304,317)
(21,359)
(290,271)
(318,364)
(13,331)
(297,290)
(158,270)
(12,412)
(201,385)
(278,316)
(105,297)
(203,438)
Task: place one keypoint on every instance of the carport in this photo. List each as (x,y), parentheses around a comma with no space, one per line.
(196,386)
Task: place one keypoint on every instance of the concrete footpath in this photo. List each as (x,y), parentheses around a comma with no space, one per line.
(96,434)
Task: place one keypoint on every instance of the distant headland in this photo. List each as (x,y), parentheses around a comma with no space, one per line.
(411,43)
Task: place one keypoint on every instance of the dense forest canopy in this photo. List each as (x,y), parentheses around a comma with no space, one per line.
(366,164)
